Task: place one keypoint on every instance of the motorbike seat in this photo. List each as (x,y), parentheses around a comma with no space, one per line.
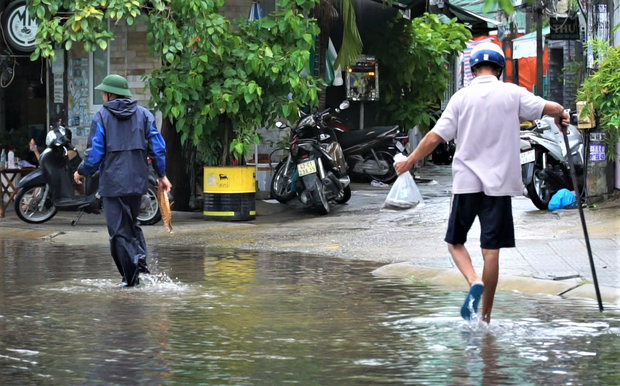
(64,202)
(352,138)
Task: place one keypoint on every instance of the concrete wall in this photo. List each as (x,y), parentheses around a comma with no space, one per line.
(129,57)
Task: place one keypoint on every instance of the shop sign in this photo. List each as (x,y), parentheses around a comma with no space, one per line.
(20,28)
(563,28)
(597,152)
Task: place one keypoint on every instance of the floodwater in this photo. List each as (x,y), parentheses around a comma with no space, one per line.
(223,317)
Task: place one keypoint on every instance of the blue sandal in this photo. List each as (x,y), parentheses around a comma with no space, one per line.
(472,300)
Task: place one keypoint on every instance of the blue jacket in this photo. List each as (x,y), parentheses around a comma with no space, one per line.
(122,135)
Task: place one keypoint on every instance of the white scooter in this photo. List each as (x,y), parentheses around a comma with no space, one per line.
(544,162)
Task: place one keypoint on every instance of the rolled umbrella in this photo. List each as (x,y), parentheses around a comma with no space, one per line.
(256,12)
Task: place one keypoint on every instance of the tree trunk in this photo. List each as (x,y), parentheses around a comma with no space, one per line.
(175,166)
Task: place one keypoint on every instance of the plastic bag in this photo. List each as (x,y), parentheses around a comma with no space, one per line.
(562,199)
(404,193)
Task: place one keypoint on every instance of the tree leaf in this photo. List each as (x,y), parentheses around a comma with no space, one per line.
(268,23)
(268,52)
(103,45)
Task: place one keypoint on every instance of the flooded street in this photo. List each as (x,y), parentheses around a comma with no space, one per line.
(208,316)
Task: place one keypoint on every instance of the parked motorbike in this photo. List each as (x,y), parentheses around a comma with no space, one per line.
(370,152)
(315,168)
(444,152)
(544,161)
(50,189)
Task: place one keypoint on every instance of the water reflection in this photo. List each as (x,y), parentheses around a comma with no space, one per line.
(222,316)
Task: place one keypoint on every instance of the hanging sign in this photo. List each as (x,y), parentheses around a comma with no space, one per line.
(20,29)
(59,87)
(597,152)
(563,28)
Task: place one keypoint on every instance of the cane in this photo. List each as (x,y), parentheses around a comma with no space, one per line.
(581,215)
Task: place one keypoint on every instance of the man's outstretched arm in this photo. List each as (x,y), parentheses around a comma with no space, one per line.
(426,147)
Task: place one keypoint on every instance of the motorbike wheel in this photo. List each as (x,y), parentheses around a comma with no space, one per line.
(31,198)
(149,208)
(344,196)
(281,184)
(319,201)
(383,155)
(537,190)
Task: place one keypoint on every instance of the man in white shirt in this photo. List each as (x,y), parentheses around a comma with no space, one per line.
(484,119)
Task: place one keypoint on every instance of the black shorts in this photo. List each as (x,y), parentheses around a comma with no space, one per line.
(495,215)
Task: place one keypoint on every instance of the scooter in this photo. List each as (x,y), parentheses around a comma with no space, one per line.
(370,152)
(50,189)
(545,166)
(315,168)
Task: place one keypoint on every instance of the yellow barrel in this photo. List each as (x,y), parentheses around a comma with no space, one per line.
(229,193)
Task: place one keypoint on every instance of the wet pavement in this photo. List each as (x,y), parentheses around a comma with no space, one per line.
(549,246)
(225,316)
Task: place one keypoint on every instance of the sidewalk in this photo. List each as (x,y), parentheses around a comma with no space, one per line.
(549,246)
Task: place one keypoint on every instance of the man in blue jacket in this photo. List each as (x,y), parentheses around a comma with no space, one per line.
(122,135)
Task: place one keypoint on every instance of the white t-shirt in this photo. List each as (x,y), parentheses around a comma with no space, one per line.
(484,120)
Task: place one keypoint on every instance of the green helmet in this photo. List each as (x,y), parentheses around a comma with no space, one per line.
(115,84)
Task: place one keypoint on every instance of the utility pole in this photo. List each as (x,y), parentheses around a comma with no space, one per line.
(539,49)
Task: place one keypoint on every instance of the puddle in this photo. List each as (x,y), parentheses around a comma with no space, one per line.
(235,317)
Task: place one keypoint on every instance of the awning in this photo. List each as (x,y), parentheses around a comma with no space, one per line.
(477,24)
(525,46)
(417,7)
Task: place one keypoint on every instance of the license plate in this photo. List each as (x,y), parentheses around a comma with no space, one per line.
(400,146)
(306,168)
(527,157)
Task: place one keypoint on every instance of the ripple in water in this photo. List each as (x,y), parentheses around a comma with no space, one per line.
(149,283)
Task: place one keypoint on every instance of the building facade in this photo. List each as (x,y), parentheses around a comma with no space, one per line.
(37,94)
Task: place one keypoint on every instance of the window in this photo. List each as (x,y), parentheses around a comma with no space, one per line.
(99,69)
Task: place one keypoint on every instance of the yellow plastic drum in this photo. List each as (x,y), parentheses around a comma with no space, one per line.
(230,193)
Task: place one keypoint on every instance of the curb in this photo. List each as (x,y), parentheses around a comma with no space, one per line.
(452,278)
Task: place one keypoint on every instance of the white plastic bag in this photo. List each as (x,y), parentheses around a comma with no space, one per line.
(404,193)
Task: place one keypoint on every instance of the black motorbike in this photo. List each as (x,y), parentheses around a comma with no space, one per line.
(50,188)
(370,152)
(315,168)
(444,152)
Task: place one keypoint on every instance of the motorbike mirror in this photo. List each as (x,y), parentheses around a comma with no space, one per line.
(344,105)
(574,119)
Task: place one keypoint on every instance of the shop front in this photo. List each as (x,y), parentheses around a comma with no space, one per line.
(37,94)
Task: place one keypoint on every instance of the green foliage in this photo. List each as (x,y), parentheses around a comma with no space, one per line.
(572,70)
(504,5)
(602,89)
(413,57)
(217,86)
(351,47)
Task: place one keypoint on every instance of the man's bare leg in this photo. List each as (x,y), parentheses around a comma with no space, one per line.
(463,262)
(490,276)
